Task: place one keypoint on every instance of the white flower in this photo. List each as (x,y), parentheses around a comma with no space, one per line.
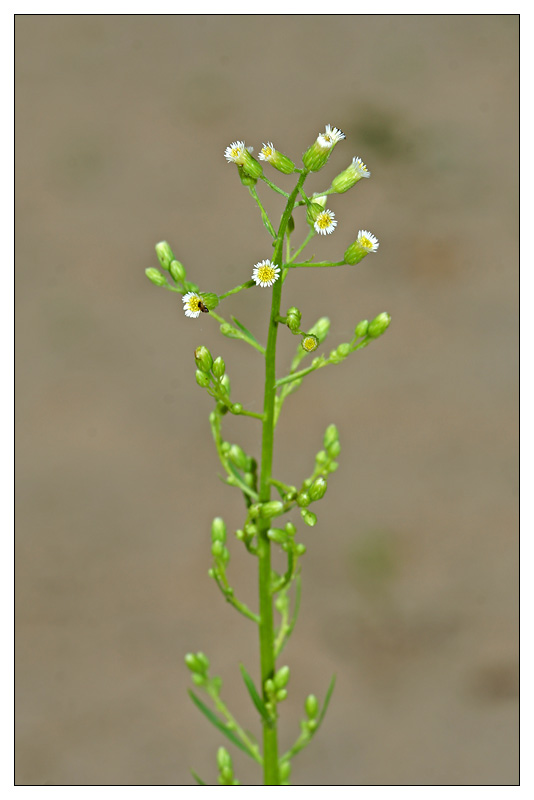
(325,222)
(368,241)
(330,137)
(267,152)
(359,168)
(265,273)
(234,152)
(192,302)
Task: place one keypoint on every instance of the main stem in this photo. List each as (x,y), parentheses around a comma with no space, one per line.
(266,626)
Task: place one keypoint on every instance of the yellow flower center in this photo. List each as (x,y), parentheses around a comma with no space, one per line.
(193,304)
(309,343)
(266,273)
(366,243)
(324,220)
(267,152)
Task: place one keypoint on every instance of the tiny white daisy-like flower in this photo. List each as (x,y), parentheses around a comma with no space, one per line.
(368,241)
(192,302)
(268,151)
(360,168)
(330,137)
(325,222)
(265,273)
(235,152)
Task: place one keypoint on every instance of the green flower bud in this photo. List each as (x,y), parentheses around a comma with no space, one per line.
(225,383)
(333,451)
(250,530)
(361,329)
(269,687)
(237,408)
(198,679)
(239,457)
(343,350)
(312,725)
(350,176)
(277,535)
(310,343)
(379,325)
(364,244)
(226,776)
(293,317)
(219,367)
(281,694)
(246,179)
(284,770)
(210,300)
(177,271)
(311,706)
(217,549)
(281,678)
(290,495)
(155,276)
(164,254)
(317,155)
(203,359)
(223,758)
(290,529)
(318,488)
(192,663)
(202,379)
(218,530)
(303,499)
(273,508)
(308,516)
(331,435)
(203,661)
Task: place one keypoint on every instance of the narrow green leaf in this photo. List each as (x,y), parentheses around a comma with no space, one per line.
(198,780)
(327,699)
(244,330)
(254,696)
(208,713)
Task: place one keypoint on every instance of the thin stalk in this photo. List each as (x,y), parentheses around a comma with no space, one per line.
(266,626)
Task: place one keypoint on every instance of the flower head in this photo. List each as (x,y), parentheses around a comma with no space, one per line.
(310,343)
(350,176)
(192,304)
(278,160)
(265,273)
(368,241)
(330,137)
(325,222)
(235,153)
(267,152)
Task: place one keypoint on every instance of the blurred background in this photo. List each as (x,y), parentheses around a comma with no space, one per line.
(410,579)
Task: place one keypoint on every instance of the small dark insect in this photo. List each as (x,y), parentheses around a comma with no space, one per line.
(203,308)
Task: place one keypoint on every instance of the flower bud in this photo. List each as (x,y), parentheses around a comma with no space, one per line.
(225,383)
(343,350)
(303,499)
(250,166)
(318,488)
(155,276)
(293,319)
(277,535)
(290,529)
(361,329)
(350,176)
(202,379)
(223,758)
(238,456)
(218,530)
(192,663)
(217,548)
(300,549)
(237,408)
(311,706)
(246,179)
(269,687)
(164,254)
(281,694)
(272,508)
(177,271)
(210,300)
(285,770)
(203,358)
(379,325)
(331,436)
(308,516)
(219,367)
(281,678)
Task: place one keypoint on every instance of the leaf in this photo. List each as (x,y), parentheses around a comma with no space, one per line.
(244,330)
(254,696)
(208,713)
(198,780)
(327,699)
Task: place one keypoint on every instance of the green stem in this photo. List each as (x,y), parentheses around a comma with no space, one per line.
(315,264)
(266,626)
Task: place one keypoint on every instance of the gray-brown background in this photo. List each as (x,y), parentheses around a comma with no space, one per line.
(409,591)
